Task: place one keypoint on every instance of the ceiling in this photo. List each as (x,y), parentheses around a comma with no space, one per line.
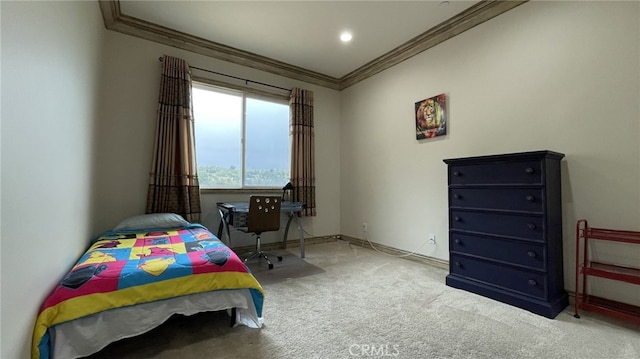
(300,39)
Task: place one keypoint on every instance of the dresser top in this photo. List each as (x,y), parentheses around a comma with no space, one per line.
(507,157)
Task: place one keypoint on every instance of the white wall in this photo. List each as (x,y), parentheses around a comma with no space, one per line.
(79,111)
(562,76)
(132,78)
(77,131)
(51,54)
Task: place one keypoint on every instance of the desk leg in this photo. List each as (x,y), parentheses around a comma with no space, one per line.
(224,226)
(300,233)
(220,226)
(286,229)
(294,217)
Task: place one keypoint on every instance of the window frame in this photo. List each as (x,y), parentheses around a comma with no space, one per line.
(255,94)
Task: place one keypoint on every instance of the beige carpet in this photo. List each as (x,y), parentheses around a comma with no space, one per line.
(291,266)
(369,305)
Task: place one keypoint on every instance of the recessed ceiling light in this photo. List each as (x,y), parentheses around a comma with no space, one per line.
(345,36)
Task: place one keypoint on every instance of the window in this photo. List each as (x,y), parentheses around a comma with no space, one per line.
(242,140)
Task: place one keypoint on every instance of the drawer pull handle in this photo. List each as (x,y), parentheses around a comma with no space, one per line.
(530,198)
(457,219)
(531,254)
(456,196)
(457,241)
(529,170)
(532,282)
(457,174)
(458,264)
(531,226)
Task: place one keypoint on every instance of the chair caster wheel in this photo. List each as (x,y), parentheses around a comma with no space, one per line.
(279,258)
(270,266)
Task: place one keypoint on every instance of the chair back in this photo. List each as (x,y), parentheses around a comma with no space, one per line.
(264,213)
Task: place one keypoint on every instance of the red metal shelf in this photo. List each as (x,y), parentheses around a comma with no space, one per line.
(585,268)
(612,235)
(617,310)
(611,271)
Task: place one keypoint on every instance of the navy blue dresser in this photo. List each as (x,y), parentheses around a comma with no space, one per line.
(505,229)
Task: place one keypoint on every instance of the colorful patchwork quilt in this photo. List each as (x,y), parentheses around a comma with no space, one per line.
(123,269)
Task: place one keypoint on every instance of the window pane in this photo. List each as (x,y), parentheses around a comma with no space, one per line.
(218,128)
(267,145)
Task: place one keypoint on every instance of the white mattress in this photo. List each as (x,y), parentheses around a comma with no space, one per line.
(85,336)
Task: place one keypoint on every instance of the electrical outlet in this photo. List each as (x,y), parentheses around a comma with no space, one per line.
(365,226)
(432,238)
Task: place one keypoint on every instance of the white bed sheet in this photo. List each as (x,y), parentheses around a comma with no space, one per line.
(85,336)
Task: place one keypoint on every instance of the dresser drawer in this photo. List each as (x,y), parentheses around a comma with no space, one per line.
(524,254)
(512,199)
(522,281)
(524,172)
(510,225)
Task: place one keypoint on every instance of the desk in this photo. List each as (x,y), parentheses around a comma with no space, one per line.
(235,215)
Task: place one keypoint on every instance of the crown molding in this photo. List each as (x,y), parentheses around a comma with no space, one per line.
(473,16)
(115,20)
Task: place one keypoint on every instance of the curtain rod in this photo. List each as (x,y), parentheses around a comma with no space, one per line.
(236,77)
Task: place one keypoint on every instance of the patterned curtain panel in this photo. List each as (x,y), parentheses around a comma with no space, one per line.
(173,182)
(303,174)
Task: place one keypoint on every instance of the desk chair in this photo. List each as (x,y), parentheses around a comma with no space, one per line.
(263,216)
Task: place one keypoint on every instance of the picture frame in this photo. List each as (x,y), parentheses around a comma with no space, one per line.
(431,117)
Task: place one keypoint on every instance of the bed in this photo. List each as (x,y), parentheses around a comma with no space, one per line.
(134,277)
